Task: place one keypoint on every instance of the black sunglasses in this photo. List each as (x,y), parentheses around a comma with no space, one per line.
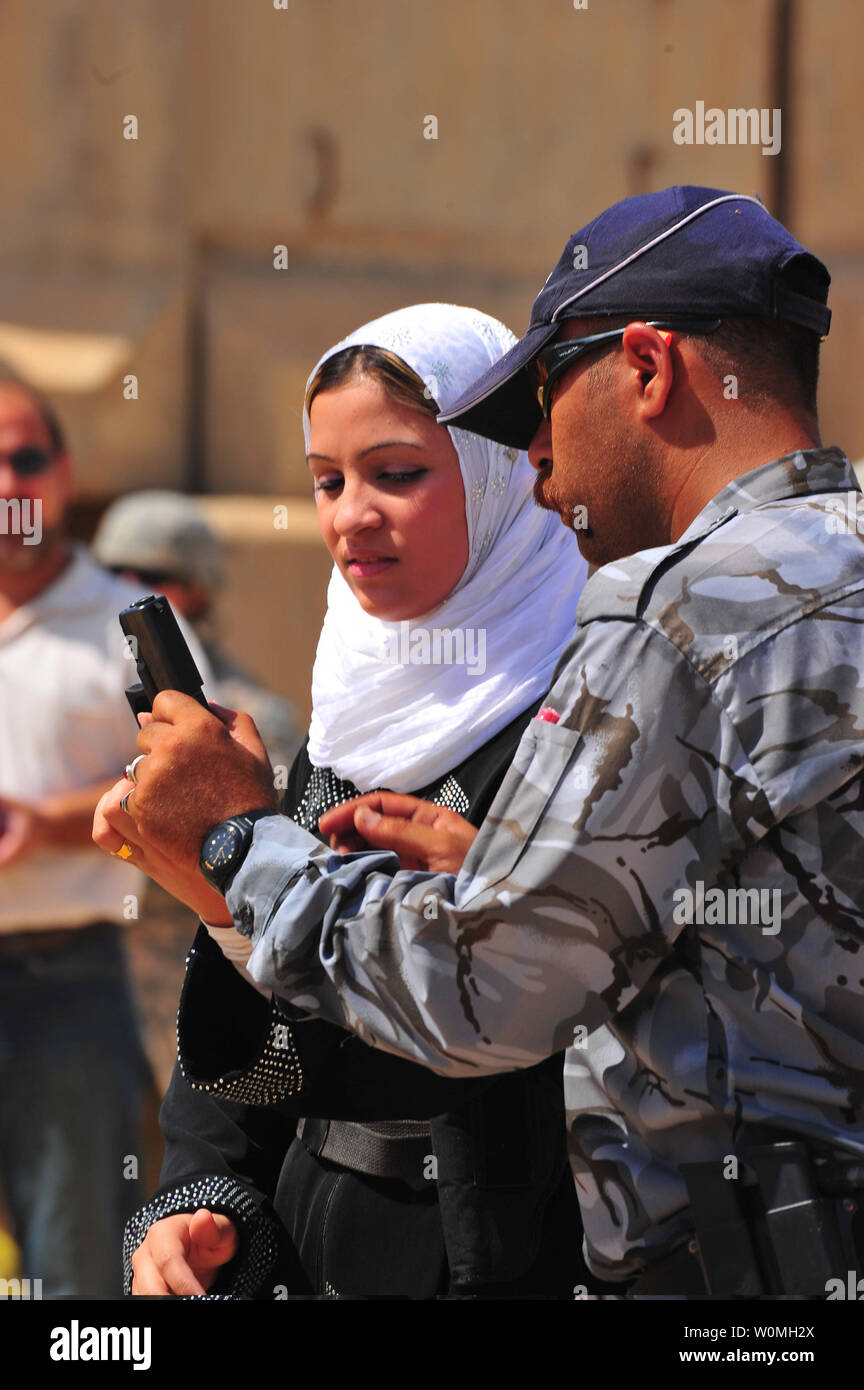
(552,362)
(30,460)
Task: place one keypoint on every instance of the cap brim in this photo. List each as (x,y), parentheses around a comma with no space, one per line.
(502,404)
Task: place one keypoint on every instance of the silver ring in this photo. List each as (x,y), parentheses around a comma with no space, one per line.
(130,768)
(124,801)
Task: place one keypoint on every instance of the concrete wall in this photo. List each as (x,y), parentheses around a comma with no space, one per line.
(305,127)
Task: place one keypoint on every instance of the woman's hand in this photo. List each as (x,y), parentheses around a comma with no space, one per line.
(182,1254)
(425,836)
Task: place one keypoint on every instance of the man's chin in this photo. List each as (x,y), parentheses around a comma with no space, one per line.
(16,557)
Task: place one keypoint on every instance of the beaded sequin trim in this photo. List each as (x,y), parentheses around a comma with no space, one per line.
(214,1193)
(451,795)
(324,790)
(275,1074)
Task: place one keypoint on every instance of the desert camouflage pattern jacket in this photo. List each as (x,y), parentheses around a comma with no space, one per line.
(670,881)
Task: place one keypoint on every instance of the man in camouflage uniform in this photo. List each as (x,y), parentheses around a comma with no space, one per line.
(670,879)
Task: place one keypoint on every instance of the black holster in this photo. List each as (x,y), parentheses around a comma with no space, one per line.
(786,1224)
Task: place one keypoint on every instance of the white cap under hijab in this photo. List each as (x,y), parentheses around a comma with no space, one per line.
(384,722)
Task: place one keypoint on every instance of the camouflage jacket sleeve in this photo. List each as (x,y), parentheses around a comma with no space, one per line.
(563,909)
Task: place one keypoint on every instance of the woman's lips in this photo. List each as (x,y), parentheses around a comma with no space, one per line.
(368,568)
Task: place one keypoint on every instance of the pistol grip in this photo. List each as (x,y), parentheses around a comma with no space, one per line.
(139,702)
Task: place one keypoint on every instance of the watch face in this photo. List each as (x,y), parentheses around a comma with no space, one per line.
(221,847)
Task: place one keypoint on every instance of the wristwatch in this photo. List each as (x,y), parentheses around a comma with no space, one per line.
(225,847)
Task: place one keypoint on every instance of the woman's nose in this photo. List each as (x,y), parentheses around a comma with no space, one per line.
(356,510)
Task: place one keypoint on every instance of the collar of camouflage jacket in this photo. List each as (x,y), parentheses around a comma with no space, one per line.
(807,472)
(793,475)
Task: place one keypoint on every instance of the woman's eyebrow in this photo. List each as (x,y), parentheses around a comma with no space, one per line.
(388,444)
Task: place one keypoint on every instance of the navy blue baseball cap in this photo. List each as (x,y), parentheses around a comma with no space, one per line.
(688,252)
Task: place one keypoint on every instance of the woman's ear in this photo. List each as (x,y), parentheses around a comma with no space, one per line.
(648,351)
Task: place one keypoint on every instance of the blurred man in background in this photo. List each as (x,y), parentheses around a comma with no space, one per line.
(162,541)
(71,1061)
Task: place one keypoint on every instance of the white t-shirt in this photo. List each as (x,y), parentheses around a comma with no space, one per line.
(65,723)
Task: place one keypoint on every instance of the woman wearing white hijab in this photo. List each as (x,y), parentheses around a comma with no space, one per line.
(519,587)
(451,598)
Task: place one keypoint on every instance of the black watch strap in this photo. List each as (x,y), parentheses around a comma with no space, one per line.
(225,846)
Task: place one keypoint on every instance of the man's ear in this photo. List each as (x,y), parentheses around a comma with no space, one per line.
(648,352)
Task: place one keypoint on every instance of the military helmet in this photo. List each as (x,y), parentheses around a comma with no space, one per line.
(161,533)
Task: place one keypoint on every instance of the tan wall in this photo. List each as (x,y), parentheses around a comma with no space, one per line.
(541,111)
(304,127)
(265,331)
(337,169)
(274,598)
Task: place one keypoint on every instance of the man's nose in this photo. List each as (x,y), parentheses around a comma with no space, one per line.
(8,478)
(540,448)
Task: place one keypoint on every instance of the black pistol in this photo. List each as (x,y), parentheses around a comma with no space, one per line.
(162,657)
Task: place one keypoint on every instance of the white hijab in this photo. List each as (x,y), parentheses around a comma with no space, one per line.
(378,718)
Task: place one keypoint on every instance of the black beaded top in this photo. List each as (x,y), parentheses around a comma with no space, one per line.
(324,790)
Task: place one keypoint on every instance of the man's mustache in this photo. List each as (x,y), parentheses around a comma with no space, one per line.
(540,498)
